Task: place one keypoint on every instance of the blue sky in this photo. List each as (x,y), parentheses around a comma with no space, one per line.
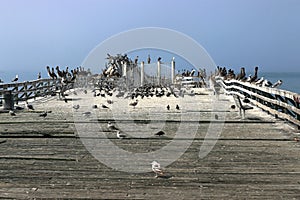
(36,33)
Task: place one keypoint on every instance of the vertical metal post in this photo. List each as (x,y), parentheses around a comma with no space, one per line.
(142,73)
(158,72)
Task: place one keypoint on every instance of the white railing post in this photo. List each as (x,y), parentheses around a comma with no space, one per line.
(173,71)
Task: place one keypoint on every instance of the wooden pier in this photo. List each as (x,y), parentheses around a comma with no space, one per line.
(254,158)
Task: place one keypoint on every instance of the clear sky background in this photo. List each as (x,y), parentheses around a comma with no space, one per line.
(36,33)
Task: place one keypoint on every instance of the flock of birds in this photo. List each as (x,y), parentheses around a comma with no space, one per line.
(66,76)
(259,81)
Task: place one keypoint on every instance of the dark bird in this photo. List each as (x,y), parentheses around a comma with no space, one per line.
(216,117)
(109,101)
(232,106)
(87,114)
(148,59)
(39,76)
(136,60)
(29,106)
(94,106)
(59,72)
(134,103)
(76,107)
(85,91)
(159,59)
(246,100)
(160,133)
(16,78)
(53,75)
(44,114)
(19,108)
(104,106)
(177,107)
(241,75)
(168,107)
(12,113)
(254,78)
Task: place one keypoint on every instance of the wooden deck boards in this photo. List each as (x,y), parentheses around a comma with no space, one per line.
(255,158)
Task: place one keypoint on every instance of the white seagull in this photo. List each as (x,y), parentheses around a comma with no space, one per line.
(277,84)
(157,169)
(266,83)
(111,126)
(121,135)
(259,81)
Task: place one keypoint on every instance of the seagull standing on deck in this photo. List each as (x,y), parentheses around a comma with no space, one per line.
(76,107)
(44,114)
(29,106)
(12,113)
(121,135)
(156,169)
(111,126)
(134,103)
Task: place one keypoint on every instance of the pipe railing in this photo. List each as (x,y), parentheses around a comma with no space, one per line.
(281,103)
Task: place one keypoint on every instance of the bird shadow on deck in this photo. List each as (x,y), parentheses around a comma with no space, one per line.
(165,176)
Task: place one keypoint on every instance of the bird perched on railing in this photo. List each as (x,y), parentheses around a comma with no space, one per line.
(277,84)
(59,72)
(241,75)
(254,78)
(259,81)
(266,83)
(148,59)
(51,73)
(39,76)
(16,78)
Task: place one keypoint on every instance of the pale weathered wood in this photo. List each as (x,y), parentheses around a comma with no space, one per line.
(254,158)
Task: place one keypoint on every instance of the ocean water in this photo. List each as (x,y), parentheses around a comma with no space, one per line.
(291,80)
